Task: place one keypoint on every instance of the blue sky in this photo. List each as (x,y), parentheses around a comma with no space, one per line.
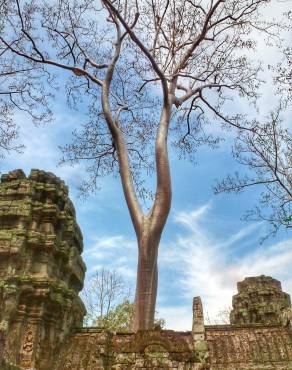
(205,248)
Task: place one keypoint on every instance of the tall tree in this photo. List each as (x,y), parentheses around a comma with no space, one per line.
(102,293)
(143,69)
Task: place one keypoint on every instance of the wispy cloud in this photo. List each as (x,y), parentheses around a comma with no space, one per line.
(115,252)
(210,267)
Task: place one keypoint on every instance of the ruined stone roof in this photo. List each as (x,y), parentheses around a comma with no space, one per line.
(260,300)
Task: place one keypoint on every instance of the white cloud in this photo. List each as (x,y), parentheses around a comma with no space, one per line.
(207,267)
(41,147)
(111,242)
(115,252)
(177,318)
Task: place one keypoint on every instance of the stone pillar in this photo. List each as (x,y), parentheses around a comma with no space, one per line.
(201,348)
(41,270)
(260,300)
(198,329)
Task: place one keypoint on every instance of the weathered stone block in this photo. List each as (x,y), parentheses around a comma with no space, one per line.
(39,298)
(260,300)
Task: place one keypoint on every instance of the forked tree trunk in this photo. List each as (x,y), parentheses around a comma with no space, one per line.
(148,227)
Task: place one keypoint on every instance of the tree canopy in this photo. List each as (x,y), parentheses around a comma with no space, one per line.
(268,158)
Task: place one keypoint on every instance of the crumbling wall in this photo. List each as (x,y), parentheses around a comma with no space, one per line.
(94,349)
(249,347)
(226,347)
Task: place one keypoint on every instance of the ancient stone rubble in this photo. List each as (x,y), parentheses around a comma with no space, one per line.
(41,314)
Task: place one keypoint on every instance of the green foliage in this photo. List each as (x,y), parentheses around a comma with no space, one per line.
(119,318)
(159,323)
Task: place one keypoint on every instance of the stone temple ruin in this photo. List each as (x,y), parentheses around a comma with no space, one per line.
(42,272)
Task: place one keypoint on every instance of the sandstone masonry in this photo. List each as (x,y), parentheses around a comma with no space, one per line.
(41,271)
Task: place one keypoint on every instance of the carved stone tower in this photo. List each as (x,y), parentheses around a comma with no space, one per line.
(260,300)
(41,271)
